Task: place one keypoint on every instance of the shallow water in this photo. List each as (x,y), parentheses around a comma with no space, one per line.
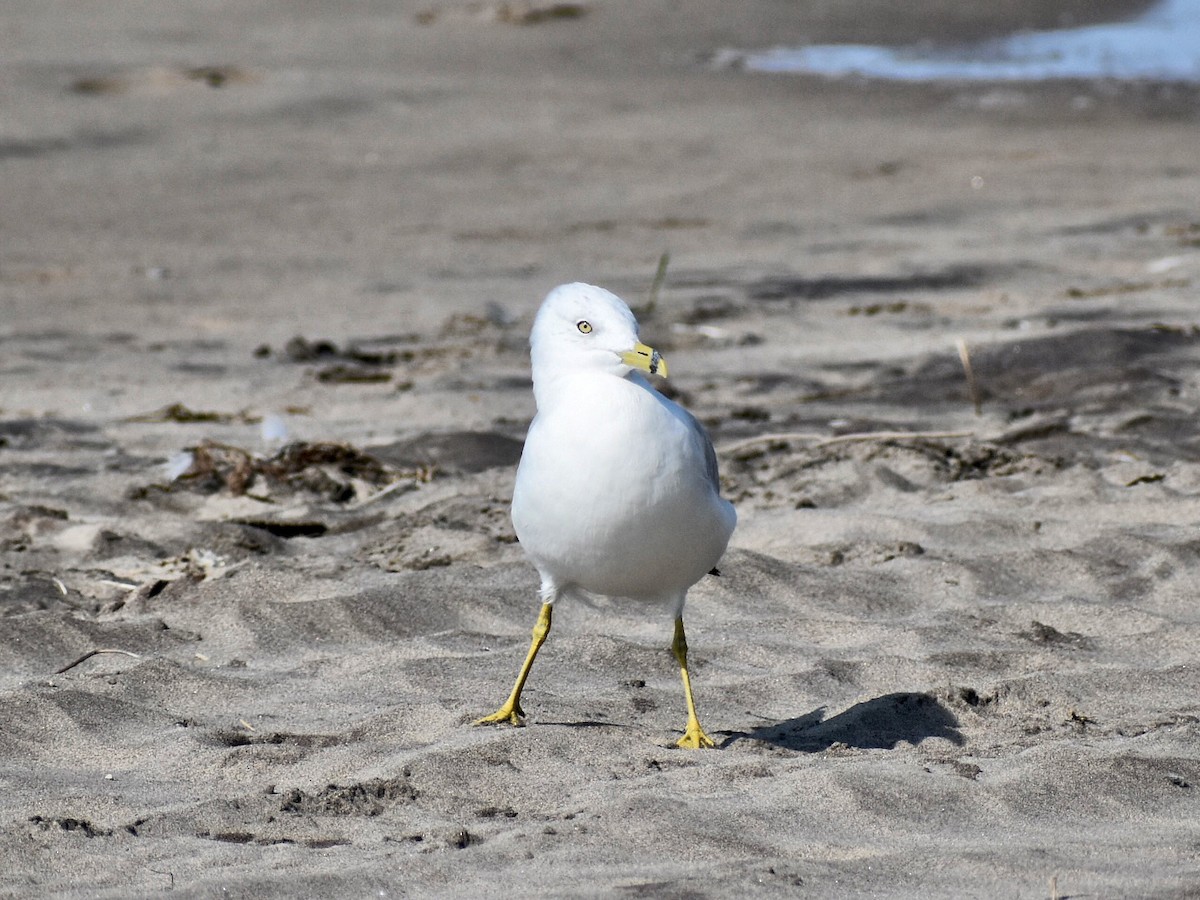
(1163,44)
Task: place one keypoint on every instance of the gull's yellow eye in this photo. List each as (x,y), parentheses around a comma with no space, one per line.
(584,326)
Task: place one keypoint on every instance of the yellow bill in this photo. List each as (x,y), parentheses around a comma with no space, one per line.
(645,359)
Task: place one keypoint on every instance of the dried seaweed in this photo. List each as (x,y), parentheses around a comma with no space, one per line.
(178,412)
(329,469)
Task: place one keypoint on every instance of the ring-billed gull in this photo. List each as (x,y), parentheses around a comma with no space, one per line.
(617,491)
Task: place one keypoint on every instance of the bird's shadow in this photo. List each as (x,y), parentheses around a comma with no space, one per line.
(878,724)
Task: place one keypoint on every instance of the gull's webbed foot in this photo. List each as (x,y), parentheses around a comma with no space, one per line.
(694,738)
(508,714)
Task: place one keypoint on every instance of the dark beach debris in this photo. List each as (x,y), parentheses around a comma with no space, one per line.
(330,469)
(220,76)
(247,837)
(1126,287)
(367,361)
(286,529)
(163,78)
(1146,479)
(493,812)
(972,697)
(368,798)
(459,838)
(90,654)
(352,375)
(228,837)
(490,332)
(895,307)
(348,365)
(526,13)
(1080,721)
(302,350)
(902,550)
(1187,233)
(1041,633)
(508,12)
(246,735)
(156,587)
(69,823)
(178,412)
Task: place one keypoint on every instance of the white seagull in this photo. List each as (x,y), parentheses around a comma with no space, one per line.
(617,492)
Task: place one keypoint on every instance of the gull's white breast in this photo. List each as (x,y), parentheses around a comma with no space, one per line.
(615,494)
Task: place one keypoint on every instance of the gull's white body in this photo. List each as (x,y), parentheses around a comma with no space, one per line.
(617,489)
(617,492)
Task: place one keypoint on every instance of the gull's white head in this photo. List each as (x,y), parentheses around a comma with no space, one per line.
(583,327)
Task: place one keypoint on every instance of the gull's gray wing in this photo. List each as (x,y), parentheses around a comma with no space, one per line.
(710,455)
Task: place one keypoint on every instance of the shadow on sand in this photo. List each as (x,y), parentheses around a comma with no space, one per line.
(878,724)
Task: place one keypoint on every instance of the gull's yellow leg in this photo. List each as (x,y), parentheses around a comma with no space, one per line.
(511,711)
(694,737)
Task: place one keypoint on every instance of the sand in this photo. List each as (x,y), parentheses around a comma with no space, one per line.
(956,664)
